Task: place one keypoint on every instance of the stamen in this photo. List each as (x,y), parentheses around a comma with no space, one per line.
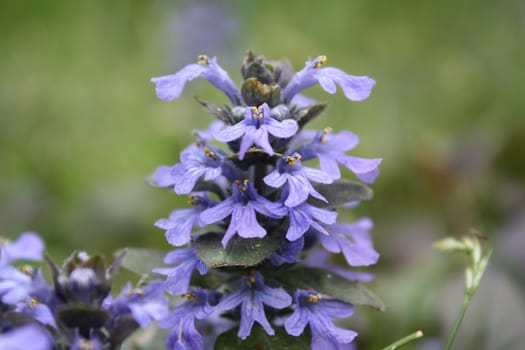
(28,269)
(188,296)
(291,160)
(136,291)
(326,131)
(209,153)
(203,59)
(320,61)
(314,298)
(32,303)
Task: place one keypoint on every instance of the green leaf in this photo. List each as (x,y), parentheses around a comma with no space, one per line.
(239,252)
(142,260)
(258,339)
(327,283)
(340,192)
(307,114)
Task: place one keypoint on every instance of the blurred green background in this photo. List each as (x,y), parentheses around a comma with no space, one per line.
(81,130)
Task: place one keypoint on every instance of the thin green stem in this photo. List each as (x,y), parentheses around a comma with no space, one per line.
(403,341)
(459,318)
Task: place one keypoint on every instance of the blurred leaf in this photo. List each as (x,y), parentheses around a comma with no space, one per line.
(340,192)
(222,113)
(141,260)
(258,339)
(330,284)
(307,114)
(239,252)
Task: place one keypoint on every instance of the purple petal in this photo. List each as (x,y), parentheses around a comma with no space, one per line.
(245,221)
(329,166)
(286,128)
(317,175)
(163,176)
(170,87)
(231,133)
(275,179)
(218,212)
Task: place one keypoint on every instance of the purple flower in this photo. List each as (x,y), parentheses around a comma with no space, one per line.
(288,252)
(170,87)
(255,129)
(180,223)
(355,88)
(252,295)
(304,216)
(242,206)
(196,161)
(36,310)
(353,240)
(331,148)
(28,246)
(312,309)
(16,285)
(318,259)
(289,170)
(178,279)
(145,304)
(200,304)
(29,336)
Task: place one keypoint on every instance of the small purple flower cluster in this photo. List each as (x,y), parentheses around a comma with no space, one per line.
(77,311)
(259,211)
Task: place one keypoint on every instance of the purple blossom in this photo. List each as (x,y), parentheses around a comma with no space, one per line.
(16,285)
(178,279)
(256,128)
(331,149)
(355,88)
(200,304)
(145,304)
(289,170)
(36,310)
(311,309)
(28,246)
(242,205)
(353,240)
(170,87)
(252,295)
(304,216)
(318,259)
(196,161)
(26,337)
(180,223)
(288,252)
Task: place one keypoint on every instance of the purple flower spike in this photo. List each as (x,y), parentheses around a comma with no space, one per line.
(355,88)
(255,129)
(312,309)
(353,240)
(252,295)
(178,280)
(28,246)
(331,148)
(170,87)
(145,304)
(29,336)
(289,170)
(180,223)
(242,206)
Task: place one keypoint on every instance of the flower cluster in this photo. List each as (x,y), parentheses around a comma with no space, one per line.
(260,211)
(77,310)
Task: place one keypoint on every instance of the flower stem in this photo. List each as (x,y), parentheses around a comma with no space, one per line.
(403,341)
(459,318)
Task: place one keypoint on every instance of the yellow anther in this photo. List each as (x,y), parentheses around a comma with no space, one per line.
(32,303)
(320,62)
(314,298)
(27,269)
(203,59)
(326,131)
(136,291)
(188,296)
(291,160)
(209,153)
